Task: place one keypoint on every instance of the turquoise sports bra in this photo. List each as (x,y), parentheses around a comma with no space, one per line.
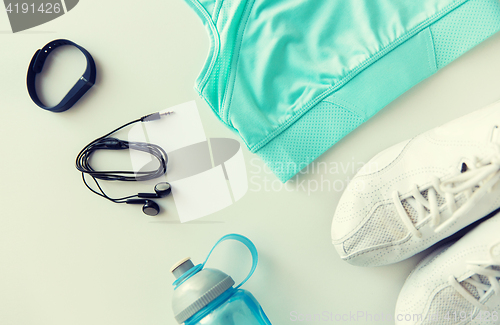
(293,77)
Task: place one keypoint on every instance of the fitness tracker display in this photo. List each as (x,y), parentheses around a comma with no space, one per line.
(83,84)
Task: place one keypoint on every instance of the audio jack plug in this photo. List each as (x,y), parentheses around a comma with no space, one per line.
(154,116)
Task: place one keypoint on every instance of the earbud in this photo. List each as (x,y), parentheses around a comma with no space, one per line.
(150,207)
(161,190)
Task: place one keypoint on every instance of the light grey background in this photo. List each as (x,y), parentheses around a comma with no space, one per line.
(69,257)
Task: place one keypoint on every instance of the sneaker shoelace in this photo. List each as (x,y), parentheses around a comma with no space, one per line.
(489,270)
(478,179)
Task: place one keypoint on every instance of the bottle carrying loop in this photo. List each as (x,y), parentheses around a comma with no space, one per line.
(242,239)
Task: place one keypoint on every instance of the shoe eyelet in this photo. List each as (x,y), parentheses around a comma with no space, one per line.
(463,168)
(495,251)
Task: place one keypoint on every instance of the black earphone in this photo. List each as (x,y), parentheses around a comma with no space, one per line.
(150,207)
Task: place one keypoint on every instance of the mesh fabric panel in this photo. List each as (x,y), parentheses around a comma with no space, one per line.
(481,278)
(444,304)
(470,288)
(455,35)
(460,199)
(305,140)
(440,200)
(412,213)
(384,226)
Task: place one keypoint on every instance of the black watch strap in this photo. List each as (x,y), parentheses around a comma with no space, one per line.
(83,84)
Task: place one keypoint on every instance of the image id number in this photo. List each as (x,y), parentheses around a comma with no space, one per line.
(47,8)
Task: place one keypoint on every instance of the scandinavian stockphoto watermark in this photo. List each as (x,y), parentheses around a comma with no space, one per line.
(26,14)
(485,317)
(345,317)
(326,176)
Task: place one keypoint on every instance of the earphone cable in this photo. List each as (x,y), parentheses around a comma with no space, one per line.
(103,194)
(108,143)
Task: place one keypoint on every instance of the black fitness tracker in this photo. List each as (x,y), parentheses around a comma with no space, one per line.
(79,89)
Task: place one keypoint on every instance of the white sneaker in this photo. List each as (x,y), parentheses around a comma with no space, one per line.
(456,284)
(421,191)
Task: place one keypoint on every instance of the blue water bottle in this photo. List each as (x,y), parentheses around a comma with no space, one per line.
(207,296)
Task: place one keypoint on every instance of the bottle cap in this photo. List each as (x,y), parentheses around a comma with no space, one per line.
(196,287)
(197,290)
